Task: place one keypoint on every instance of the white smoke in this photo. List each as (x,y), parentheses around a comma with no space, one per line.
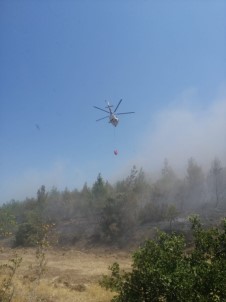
(182,132)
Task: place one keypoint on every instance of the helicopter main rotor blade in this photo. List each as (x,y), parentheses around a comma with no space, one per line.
(101,118)
(118,105)
(101,109)
(124,113)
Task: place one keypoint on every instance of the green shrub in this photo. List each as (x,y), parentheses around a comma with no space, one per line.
(162,270)
(117,217)
(28,234)
(7,223)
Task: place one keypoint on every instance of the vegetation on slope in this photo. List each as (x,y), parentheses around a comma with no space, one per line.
(163,270)
(106,213)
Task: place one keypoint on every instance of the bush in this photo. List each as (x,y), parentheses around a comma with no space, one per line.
(29,234)
(163,271)
(117,217)
(7,273)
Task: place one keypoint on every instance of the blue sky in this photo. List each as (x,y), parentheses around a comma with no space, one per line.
(165,59)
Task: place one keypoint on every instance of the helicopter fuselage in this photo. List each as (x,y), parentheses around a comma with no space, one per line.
(113,119)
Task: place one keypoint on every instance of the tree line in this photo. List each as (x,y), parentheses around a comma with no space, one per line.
(107,212)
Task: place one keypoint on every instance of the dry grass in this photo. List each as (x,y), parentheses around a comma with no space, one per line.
(47,293)
(71,275)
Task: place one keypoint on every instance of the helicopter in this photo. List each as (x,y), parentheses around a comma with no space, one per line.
(113,119)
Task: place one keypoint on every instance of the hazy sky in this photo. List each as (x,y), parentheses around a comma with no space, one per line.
(165,59)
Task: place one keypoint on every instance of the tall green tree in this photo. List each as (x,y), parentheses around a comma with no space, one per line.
(216,180)
(99,192)
(195,180)
(117,217)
